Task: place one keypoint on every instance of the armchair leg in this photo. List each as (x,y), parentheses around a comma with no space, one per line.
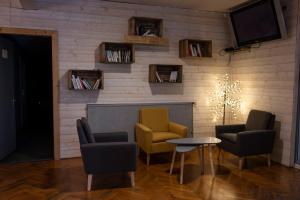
(241,163)
(181,168)
(269,160)
(132,179)
(148,159)
(89,184)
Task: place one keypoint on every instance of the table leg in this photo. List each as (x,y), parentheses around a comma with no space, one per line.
(200,158)
(173,160)
(181,168)
(211,160)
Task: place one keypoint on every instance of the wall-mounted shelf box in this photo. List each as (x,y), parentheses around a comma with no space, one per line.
(117,53)
(189,48)
(163,73)
(146,40)
(147,31)
(85,79)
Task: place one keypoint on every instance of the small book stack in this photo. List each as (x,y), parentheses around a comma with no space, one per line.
(172,78)
(147,29)
(118,56)
(195,50)
(84,84)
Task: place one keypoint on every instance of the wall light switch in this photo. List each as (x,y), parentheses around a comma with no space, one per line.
(4,53)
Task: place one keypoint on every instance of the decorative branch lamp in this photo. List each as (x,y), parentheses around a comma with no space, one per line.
(225,97)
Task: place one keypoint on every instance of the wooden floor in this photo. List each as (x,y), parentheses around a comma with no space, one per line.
(66,179)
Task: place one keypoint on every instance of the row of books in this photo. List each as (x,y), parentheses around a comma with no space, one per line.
(83,84)
(172,78)
(118,56)
(195,50)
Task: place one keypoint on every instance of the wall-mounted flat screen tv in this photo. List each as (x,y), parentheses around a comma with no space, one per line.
(257,22)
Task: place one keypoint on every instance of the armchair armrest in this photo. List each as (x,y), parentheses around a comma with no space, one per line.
(143,127)
(143,136)
(111,137)
(234,128)
(256,142)
(109,157)
(178,129)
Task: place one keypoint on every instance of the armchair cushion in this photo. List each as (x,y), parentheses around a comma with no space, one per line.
(88,133)
(163,136)
(157,119)
(232,128)
(259,120)
(231,137)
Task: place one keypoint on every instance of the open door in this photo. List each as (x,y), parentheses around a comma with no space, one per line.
(5,81)
(7,100)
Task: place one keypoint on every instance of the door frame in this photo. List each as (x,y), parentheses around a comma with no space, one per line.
(295,146)
(55,76)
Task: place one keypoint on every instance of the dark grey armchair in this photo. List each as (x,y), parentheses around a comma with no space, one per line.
(105,152)
(253,138)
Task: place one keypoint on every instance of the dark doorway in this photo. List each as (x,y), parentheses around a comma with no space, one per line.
(33,102)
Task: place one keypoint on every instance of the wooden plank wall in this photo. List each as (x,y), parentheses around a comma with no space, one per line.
(267,76)
(83,25)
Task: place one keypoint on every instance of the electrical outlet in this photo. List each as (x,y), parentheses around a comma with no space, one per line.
(4,53)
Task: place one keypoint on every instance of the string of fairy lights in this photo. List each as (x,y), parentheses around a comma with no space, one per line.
(225,98)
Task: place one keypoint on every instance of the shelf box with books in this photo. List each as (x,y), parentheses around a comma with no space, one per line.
(165,73)
(85,79)
(147,31)
(195,48)
(117,53)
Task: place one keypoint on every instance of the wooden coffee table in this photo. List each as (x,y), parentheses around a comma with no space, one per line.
(184,145)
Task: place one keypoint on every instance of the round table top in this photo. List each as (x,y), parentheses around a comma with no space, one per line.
(194,141)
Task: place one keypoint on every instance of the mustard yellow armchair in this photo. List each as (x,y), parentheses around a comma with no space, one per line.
(154,128)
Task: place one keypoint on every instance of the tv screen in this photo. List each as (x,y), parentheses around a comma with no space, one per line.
(257,22)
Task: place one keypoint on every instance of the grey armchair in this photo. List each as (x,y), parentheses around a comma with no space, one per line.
(253,138)
(105,152)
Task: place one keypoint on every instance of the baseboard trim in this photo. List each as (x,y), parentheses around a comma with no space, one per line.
(297,166)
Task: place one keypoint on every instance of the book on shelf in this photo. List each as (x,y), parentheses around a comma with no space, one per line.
(74,82)
(199,50)
(158,77)
(84,84)
(118,56)
(96,85)
(195,50)
(79,83)
(173,76)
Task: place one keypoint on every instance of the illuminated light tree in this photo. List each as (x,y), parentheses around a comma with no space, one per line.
(225,99)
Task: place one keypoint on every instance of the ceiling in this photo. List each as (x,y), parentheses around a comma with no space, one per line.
(208,5)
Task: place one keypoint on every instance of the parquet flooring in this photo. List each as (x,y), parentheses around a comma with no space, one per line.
(65,179)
